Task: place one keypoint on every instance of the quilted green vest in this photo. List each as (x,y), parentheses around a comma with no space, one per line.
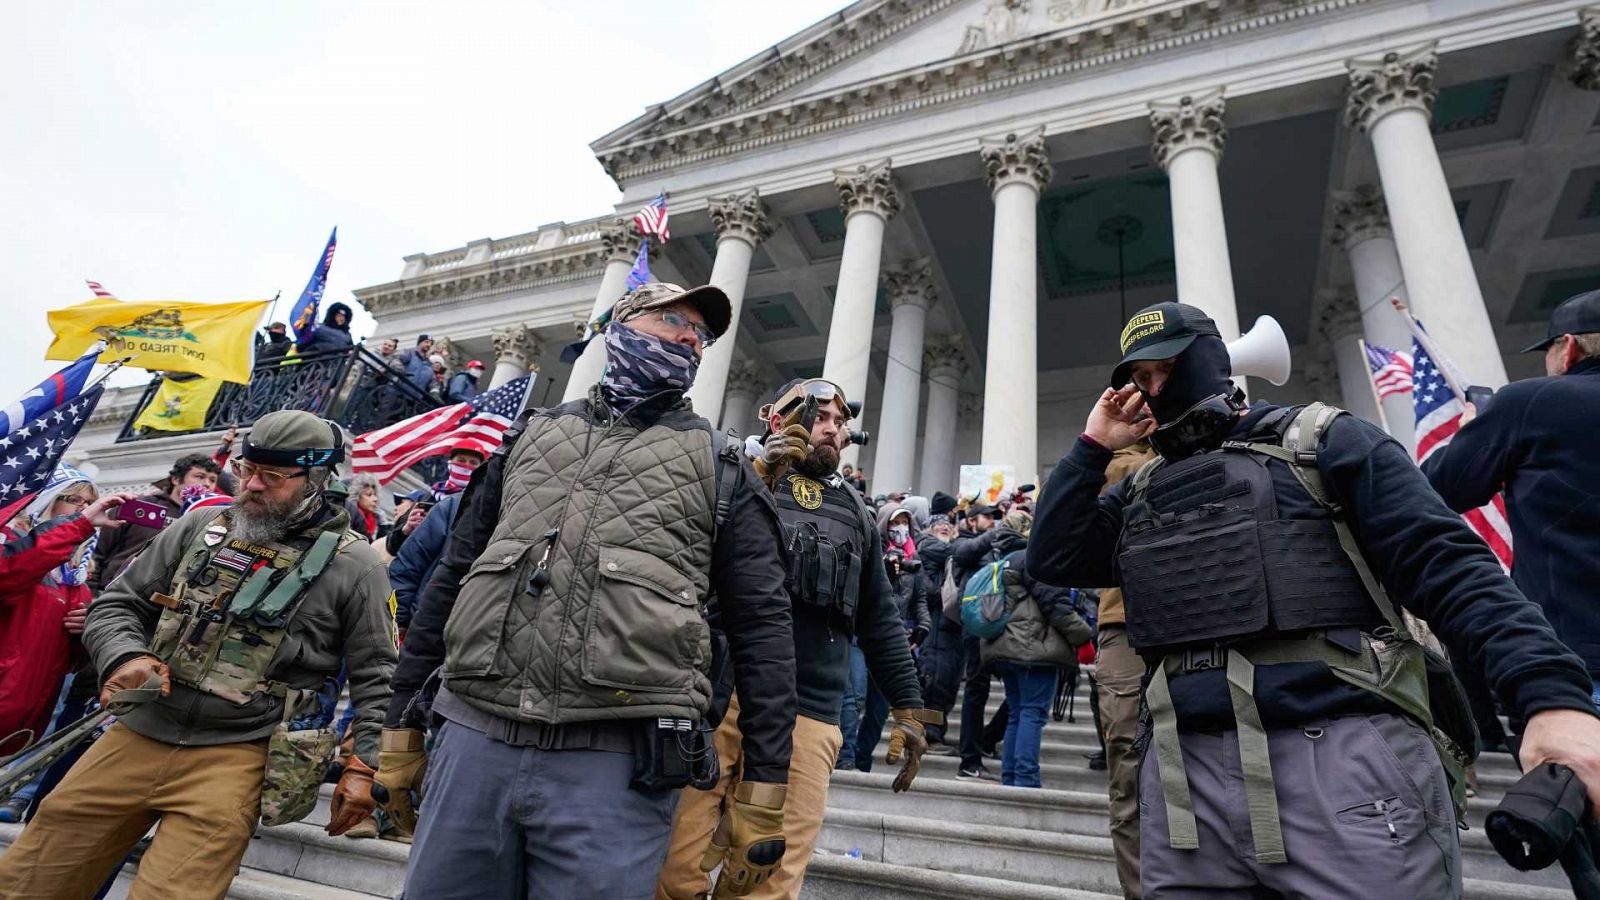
(618,631)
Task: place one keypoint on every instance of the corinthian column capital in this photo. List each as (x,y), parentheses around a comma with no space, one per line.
(909,282)
(1396,80)
(1583,68)
(619,241)
(868,188)
(745,378)
(945,361)
(1020,158)
(1338,316)
(741,216)
(1193,122)
(516,344)
(1359,215)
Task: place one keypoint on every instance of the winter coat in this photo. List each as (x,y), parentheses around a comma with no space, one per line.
(463,387)
(418,370)
(420,554)
(328,336)
(36,652)
(272,350)
(118,546)
(1044,628)
(933,554)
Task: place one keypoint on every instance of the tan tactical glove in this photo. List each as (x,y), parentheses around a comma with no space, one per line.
(906,739)
(749,840)
(133,674)
(352,797)
(781,451)
(401,764)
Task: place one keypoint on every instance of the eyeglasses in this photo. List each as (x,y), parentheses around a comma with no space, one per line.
(270,478)
(74,501)
(683,323)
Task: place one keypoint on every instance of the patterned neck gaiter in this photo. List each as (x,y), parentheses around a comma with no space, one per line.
(639,365)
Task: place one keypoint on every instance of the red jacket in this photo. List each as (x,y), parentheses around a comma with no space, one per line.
(36,652)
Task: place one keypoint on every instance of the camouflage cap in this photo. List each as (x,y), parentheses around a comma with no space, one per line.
(709,299)
(291,437)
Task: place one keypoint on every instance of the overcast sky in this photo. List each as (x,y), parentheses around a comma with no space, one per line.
(188,151)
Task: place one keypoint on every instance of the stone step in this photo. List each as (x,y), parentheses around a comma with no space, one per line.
(837,877)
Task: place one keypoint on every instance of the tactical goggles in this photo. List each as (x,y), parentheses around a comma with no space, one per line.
(822,390)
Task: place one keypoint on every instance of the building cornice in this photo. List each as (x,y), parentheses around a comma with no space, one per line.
(1117,38)
(552,255)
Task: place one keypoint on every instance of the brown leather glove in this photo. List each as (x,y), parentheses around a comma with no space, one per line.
(133,674)
(781,451)
(401,764)
(352,797)
(749,840)
(906,739)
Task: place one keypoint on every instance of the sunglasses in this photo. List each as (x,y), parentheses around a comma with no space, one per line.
(683,323)
(270,478)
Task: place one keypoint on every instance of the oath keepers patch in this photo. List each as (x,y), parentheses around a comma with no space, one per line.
(806,492)
(255,550)
(234,560)
(1142,325)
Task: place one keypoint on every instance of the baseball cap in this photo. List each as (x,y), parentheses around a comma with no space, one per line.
(709,299)
(983,509)
(1161,331)
(416,496)
(1579,314)
(475,364)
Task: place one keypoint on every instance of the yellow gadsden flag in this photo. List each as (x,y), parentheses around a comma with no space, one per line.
(179,405)
(210,339)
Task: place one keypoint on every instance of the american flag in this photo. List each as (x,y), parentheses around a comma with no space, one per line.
(99,289)
(1438,419)
(29,454)
(1391,370)
(652,219)
(388,451)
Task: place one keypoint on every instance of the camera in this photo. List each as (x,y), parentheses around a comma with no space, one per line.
(906,565)
(859,437)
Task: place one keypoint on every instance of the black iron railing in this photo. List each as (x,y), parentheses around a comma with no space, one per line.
(354,387)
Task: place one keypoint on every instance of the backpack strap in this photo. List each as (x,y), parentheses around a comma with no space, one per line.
(727,475)
(1141,478)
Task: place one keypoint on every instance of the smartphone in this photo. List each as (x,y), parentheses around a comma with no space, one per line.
(143,512)
(1478,395)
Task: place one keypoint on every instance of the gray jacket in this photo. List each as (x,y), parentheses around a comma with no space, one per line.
(345,617)
(1043,628)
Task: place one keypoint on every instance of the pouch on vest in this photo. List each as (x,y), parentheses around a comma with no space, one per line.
(296,761)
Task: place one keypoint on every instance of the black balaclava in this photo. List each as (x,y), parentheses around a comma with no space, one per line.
(1198,403)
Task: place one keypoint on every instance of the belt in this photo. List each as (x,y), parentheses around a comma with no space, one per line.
(610,736)
(1255,762)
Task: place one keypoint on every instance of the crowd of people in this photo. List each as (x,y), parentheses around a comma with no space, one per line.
(621,654)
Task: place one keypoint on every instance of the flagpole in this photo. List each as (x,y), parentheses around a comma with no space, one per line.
(1440,360)
(272,311)
(110,367)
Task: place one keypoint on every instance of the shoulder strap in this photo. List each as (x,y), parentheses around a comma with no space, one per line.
(1141,478)
(727,475)
(311,564)
(1298,447)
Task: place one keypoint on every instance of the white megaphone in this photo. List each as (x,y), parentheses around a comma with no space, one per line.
(1261,352)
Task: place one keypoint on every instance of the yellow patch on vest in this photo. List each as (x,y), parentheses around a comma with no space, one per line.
(1141,325)
(806,492)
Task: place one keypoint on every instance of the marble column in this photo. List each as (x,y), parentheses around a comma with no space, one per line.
(911,293)
(741,224)
(869,197)
(515,349)
(620,244)
(1017,167)
(1361,229)
(1338,324)
(454,357)
(945,365)
(745,393)
(1189,136)
(1391,100)
(1583,66)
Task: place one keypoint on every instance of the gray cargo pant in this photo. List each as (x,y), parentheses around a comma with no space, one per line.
(510,822)
(1363,802)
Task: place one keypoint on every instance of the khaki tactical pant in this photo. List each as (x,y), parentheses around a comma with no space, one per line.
(207,800)
(1117,674)
(816,746)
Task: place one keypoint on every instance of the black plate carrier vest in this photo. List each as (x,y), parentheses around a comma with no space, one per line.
(826,539)
(1207,556)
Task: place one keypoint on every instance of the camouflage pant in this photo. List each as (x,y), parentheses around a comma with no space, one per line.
(207,800)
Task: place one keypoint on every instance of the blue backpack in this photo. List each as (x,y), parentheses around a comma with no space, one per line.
(984,611)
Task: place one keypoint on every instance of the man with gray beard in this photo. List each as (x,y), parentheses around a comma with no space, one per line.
(239,614)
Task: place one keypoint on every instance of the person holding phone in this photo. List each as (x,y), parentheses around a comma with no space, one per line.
(116,547)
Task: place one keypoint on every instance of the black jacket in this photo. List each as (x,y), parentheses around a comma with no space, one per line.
(273,349)
(1539,442)
(934,553)
(328,336)
(1426,556)
(746,573)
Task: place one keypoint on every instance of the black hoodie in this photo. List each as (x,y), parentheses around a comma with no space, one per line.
(328,336)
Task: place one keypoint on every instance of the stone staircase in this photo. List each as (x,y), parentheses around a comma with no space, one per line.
(945,838)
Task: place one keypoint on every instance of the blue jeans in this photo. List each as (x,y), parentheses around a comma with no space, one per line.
(1029,692)
(870,731)
(850,708)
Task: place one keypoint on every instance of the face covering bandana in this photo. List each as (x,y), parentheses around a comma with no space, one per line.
(1197,406)
(455,481)
(640,365)
(900,534)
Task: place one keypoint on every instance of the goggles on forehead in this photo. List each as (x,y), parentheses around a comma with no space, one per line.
(822,390)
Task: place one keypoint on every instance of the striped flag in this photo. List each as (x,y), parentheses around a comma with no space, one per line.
(1439,410)
(1391,370)
(99,289)
(388,451)
(303,315)
(652,219)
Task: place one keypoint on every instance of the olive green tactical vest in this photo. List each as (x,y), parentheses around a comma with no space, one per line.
(618,632)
